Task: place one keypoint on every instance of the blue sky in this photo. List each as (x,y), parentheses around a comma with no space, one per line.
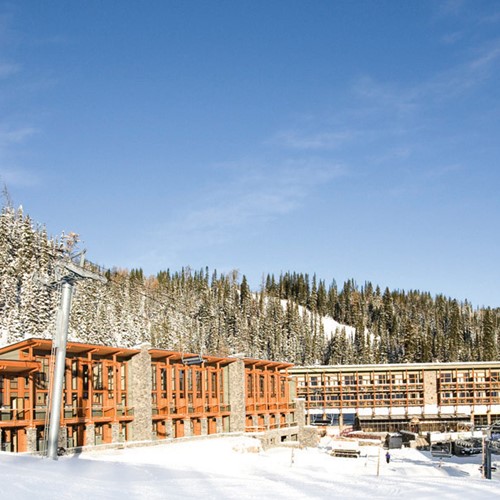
(351,139)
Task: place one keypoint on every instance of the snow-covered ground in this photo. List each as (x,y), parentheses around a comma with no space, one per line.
(231,468)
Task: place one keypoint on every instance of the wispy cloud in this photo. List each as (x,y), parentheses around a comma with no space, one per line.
(442,171)
(15,176)
(452,38)
(445,85)
(449,8)
(314,141)
(9,135)
(18,177)
(8,69)
(250,195)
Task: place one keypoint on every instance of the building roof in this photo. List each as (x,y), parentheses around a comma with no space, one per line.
(156,353)
(395,367)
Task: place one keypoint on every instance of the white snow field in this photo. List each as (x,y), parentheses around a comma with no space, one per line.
(233,468)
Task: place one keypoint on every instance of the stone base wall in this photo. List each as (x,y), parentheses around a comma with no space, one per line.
(309,436)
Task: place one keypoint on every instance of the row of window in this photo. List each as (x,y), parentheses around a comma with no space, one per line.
(464,376)
(256,385)
(356,380)
(367,396)
(185,382)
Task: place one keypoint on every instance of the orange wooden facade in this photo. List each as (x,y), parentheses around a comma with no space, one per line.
(95,391)
(268,395)
(186,399)
(187,394)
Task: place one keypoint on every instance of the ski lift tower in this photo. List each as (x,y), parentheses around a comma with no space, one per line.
(69,273)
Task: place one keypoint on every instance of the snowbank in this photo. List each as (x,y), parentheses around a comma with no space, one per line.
(217,469)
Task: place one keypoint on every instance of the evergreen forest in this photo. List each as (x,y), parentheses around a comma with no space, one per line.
(289,318)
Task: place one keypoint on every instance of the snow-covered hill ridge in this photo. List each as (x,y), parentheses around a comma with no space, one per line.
(330,326)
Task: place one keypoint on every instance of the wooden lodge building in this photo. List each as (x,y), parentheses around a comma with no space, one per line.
(415,396)
(114,394)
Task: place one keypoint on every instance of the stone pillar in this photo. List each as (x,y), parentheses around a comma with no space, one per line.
(62,438)
(430,392)
(277,419)
(169,431)
(218,425)
(89,435)
(204,426)
(300,412)
(188,427)
(139,395)
(266,421)
(30,439)
(255,422)
(236,395)
(115,432)
(300,419)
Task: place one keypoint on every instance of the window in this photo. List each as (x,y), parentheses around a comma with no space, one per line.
(123,377)
(85,377)
(163,380)
(182,385)
(74,375)
(173,382)
(111,380)
(214,384)
(42,378)
(198,384)
(97,376)
(250,385)
(349,380)
(153,378)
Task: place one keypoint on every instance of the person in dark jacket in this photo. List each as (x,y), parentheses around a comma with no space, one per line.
(387,457)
